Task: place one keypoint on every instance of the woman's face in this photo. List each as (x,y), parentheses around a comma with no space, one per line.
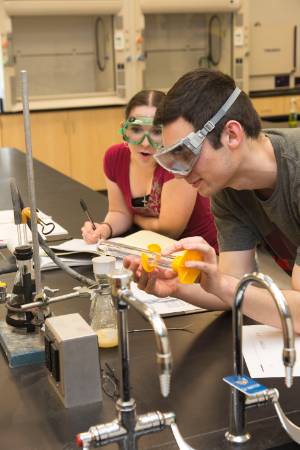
(142,152)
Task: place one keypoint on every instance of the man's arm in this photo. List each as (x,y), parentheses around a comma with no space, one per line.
(222,282)
(219,283)
(259,305)
(233,264)
(163,283)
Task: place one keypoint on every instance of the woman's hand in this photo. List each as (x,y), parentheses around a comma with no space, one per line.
(160,282)
(91,236)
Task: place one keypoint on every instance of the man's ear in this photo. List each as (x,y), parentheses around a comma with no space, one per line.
(232,134)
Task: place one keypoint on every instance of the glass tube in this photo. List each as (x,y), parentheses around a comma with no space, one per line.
(119,250)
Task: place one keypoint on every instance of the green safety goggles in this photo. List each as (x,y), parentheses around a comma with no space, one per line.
(136,129)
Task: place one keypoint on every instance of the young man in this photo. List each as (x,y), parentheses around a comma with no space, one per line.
(212,137)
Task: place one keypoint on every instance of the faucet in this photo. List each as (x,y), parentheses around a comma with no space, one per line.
(237,430)
(128,427)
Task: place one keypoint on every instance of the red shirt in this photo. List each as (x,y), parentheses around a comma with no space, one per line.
(116,168)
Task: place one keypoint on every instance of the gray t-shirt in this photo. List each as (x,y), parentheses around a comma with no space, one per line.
(243,219)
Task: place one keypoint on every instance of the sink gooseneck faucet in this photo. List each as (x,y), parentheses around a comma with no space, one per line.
(128,427)
(237,431)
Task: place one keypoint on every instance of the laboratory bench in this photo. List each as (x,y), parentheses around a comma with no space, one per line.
(33,418)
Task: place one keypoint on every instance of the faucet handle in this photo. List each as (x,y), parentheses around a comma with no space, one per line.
(182,445)
(292,429)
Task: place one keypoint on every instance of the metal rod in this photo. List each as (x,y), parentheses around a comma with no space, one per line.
(124,351)
(50,301)
(30,179)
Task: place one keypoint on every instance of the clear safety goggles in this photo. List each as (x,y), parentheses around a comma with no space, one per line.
(181,157)
(136,129)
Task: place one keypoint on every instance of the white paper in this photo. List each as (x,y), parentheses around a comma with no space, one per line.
(164,306)
(262,350)
(48,264)
(76,245)
(8,229)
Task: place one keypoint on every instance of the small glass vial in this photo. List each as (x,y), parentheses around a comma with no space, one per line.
(102,313)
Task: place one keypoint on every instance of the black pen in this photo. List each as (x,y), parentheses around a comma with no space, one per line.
(85,210)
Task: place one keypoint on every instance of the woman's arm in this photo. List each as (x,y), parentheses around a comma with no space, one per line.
(177,203)
(118,217)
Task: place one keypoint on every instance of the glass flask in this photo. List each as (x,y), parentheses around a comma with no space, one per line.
(103,314)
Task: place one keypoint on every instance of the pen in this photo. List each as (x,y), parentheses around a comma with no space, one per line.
(85,210)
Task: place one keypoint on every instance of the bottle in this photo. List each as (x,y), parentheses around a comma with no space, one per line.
(293,116)
(103,314)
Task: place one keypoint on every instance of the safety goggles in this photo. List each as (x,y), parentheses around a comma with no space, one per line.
(136,129)
(181,157)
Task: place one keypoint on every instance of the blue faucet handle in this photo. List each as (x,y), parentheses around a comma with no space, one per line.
(246,385)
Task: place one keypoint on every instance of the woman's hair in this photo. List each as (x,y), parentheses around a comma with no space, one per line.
(198,95)
(144,98)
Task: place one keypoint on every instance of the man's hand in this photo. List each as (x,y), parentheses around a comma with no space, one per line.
(210,277)
(160,282)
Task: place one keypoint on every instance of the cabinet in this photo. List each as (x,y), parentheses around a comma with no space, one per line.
(92,131)
(72,142)
(274,106)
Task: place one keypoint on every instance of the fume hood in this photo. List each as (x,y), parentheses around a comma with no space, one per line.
(74,52)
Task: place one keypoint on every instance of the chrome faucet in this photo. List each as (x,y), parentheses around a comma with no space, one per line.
(128,427)
(120,282)
(237,431)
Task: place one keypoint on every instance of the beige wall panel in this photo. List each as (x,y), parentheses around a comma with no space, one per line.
(49,134)
(274,106)
(13,131)
(269,106)
(1,138)
(50,139)
(92,131)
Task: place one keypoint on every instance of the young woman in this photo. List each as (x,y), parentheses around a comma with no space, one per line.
(142,193)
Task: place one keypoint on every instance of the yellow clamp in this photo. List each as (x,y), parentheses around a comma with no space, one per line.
(25,214)
(3,284)
(186,275)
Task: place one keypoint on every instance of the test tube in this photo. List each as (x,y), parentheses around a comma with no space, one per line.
(119,250)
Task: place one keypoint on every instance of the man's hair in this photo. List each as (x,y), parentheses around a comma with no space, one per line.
(198,95)
(144,98)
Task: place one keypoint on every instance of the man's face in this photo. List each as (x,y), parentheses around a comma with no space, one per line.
(212,171)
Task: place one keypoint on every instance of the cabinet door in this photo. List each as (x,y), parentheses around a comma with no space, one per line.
(50,139)
(13,131)
(49,135)
(92,131)
(1,126)
(269,106)
(275,106)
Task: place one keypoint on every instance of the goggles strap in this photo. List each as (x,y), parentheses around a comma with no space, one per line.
(210,124)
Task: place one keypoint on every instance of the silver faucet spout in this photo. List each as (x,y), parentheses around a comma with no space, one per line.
(120,281)
(237,431)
